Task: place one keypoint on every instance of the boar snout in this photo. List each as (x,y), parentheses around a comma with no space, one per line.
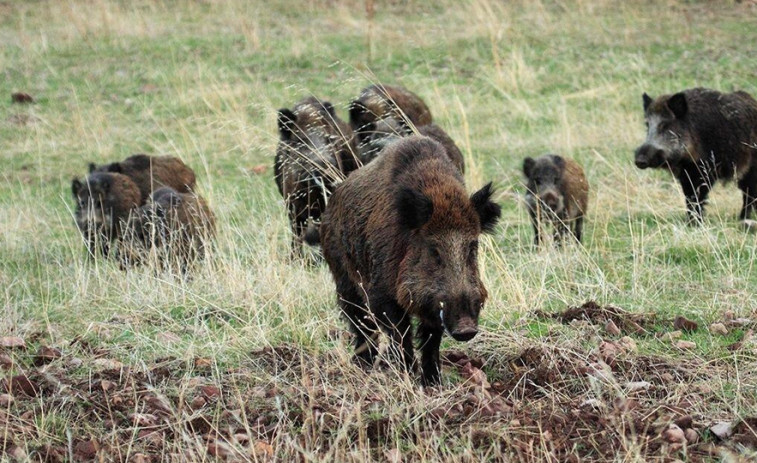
(648,156)
(465,330)
(552,199)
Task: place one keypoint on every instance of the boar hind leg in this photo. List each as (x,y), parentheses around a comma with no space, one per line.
(748,185)
(578,228)
(696,186)
(362,323)
(430,337)
(396,322)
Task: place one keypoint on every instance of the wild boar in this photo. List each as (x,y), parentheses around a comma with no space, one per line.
(380,133)
(104,203)
(152,172)
(400,237)
(387,101)
(179,227)
(702,136)
(316,150)
(557,191)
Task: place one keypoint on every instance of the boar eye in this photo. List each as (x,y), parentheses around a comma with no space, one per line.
(435,255)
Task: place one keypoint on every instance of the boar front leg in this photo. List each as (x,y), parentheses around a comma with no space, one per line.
(430,337)
(396,322)
(748,186)
(695,183)
(534,213)
(362,323)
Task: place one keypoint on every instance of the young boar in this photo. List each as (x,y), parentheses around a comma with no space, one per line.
(378,134)
(104,202)
(702,136)
(316,150)
(177,226)
(557,191)
(400,237)
(152,172)
(386,101)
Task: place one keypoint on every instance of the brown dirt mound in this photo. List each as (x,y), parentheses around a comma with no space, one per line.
(627,322)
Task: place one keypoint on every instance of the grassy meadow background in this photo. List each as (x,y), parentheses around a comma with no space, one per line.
(202,80)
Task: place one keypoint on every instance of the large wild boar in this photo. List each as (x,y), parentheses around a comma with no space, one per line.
(178,227)
(316,150)
(557,192)
(400,237)
(387,101)
(104,203)
(702,136)
(378,134)
(152,172)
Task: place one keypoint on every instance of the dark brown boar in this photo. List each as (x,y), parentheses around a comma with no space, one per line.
(400,237)
(387,101)
(557,191)
(702,136)
(178,227)
(152,172)
(104,203)
(316,150)
(379,134)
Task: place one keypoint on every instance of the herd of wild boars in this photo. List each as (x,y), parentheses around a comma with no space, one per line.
(385,199)
(145,207)
(383,195)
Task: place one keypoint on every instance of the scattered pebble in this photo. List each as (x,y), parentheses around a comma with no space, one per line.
(718,328)
(686,345)
(672,336)
(12,342)
(684,324)
(612,328)
(674,435)
(638,385)
(691,436)
(722,430)
(628,344)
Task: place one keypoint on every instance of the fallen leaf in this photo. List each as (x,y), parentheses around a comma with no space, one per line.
(20,384)
(684,324)
(46,355)
(210,392)
(12,342)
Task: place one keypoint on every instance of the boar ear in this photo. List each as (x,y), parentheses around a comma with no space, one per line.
(357,110)
(92,167)
(647,100)
(559,161)
(677,104)
(115,168)
(414,208)
(286,120)
(528,166)
(76,187)
(488,211)
(329,108)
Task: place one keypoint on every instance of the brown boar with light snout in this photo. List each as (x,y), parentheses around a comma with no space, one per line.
(179,227)
(316,150)
(152,172)
(104,204)
(557,192)
(378,102)
(702,136)
(377,135)
(400,237)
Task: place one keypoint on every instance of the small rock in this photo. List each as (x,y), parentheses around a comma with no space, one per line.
(672,336)
(729,315)
(684,324)
(638,385)
(674,435)
(612,328)
(608,351)
(628,344)
(107,364)
(666,377)
(210,391)
(198,402)
(722,430)
(686,345)
(718,328)
(5,400)
(86,450)
(691,436)
(12,342)
(5,361)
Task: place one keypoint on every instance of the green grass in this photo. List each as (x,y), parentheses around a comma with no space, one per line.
(202,81)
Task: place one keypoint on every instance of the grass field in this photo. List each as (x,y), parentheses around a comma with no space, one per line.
(250,361)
